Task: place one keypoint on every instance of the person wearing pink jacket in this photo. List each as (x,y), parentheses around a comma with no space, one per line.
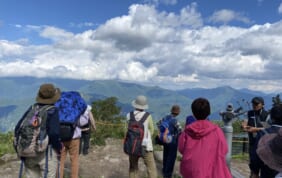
(203,146)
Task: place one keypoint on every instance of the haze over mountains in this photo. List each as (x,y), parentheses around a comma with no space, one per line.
(18,93)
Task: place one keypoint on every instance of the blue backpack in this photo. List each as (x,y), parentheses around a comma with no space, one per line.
(189,120)
(164,133)
(71,106)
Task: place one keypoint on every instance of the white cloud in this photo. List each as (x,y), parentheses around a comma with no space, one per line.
(280,9)
(18,26)
(55,34)
(9,49)
(166,2)
(173,50)
(82,25)
(190,16)
(225,16)
(135,71)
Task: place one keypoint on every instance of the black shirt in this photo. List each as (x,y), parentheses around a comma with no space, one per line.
(255,119)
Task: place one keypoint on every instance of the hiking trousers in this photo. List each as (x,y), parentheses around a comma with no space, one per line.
(36,166)
(84,142)
(71,147)
(169,157)
(149,162)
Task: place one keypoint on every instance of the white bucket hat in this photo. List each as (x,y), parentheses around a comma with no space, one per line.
(140,102)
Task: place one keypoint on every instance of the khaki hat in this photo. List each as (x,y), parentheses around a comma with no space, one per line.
(140,102)
(48,94)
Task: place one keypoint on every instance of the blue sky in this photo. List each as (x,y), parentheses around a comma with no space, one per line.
(174,44)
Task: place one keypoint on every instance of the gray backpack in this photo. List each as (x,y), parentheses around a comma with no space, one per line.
(31,136)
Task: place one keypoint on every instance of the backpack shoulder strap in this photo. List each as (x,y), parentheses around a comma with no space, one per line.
(43,113)
(44,109)
(131,116)
(142,120)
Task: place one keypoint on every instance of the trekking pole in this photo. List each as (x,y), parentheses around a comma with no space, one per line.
(46,163)
(21,168)
(58,168)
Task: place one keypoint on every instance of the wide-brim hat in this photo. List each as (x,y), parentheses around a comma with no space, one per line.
(268,150)
(140,102)
(48,94)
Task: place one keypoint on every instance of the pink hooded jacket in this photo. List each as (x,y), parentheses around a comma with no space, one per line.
(203,148)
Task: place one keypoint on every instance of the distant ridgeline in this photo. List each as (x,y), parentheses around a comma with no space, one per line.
(18,93)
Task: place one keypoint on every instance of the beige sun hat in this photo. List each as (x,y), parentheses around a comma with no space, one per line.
(140,102)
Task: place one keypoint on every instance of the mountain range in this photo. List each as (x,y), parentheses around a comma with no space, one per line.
(18,93)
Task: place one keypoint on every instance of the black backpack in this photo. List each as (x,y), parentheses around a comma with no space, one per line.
(134,136)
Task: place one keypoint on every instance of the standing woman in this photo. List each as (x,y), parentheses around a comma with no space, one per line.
(138,114)
(203,146)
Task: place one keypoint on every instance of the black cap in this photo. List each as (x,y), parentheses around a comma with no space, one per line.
(257,100)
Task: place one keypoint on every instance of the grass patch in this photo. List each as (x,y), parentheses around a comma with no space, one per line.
(6,143)
(240,157)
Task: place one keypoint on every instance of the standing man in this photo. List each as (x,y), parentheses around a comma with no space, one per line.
(258,167)
(140,104)
(71,106)
(170,149)
(256,117)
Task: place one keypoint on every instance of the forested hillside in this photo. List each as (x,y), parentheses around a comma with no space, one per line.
(18,93)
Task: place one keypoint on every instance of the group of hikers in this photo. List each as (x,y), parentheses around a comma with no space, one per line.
(201,143)
(57,124)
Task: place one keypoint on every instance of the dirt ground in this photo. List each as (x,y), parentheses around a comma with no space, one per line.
(111,162)
(104,162)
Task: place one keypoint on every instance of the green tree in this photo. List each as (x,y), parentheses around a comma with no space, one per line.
(109,122)
(106,110)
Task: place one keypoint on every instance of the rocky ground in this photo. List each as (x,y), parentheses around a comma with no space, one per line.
(105,162)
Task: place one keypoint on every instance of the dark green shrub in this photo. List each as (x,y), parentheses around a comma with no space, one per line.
(106,130)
